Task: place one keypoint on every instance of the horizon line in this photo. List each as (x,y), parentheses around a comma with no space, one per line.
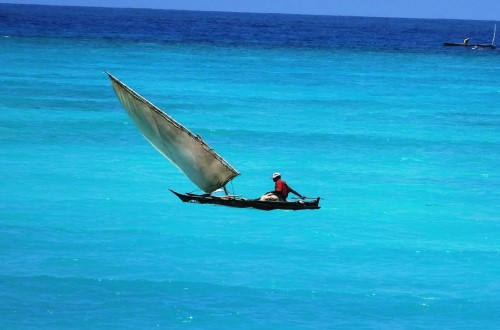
(246,12)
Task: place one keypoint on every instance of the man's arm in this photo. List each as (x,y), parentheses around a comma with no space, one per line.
(296,193)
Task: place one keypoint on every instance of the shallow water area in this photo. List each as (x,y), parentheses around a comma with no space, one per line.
(400,137)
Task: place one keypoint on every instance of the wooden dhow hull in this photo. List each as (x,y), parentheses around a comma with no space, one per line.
(456,44)
(248,203)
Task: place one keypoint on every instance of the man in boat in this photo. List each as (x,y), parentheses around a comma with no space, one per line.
(466,41)
(281,190)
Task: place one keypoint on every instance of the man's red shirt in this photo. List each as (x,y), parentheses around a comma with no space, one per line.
(281,187)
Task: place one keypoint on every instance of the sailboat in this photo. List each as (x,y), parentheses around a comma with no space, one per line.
(475,46)
(195,158)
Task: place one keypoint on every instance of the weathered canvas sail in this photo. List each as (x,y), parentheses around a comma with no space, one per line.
(201,164)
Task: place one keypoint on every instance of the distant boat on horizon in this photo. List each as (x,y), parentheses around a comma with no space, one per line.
(466,43)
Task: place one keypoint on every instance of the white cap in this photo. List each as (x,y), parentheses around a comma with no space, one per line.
(275,175)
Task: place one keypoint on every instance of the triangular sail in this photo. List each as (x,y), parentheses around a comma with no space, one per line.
(201,164)
(494,35)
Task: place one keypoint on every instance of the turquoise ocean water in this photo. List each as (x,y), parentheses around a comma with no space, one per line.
(399,135)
